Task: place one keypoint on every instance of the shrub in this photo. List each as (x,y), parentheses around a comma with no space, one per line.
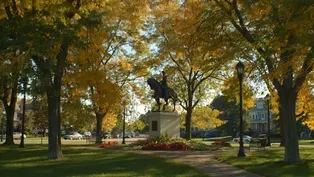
(199,146)
(159,139)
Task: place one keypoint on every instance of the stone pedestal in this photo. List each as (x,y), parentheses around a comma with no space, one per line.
(164,123)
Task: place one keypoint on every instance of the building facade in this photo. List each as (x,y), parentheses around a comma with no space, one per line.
(258,117)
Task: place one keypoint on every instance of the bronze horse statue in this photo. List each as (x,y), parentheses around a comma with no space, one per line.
(156,86)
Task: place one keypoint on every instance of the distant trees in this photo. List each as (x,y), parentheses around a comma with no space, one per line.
(229,112)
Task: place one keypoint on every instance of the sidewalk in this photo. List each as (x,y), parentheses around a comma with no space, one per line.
(203,160)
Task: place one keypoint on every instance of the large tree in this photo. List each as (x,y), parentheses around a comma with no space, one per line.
(10,69)
(46,32)
(192,47)
(283,51)
(108,34)
(11,61)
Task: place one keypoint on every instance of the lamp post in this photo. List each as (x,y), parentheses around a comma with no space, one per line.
(267,98)
(123,125)
(24,80)
(240,71)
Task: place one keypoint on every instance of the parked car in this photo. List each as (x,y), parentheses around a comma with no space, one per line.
(18,135)
(211,133)
(87,134)
(73,136)
(246,139)
(197,134)
(129,134)
(106,135)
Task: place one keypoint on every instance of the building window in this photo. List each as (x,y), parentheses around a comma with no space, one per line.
(262,115)
(253,117)
(154,125)
(259,106)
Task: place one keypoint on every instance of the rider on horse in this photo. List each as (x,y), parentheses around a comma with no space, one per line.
(164,85)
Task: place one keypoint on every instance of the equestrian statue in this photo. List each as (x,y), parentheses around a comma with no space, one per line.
(161,90)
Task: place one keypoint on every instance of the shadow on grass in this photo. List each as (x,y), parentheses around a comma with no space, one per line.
(223,138)
(33,162)
(270,164)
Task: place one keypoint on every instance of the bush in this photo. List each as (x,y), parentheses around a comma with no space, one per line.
(199,146)
(159,139)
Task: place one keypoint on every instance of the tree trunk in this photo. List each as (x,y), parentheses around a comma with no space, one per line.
(287,99)
(54,146)
(10,120)
(10,110)
(99,118)
(281,123)
(54,103)
(189,110)
(188,118)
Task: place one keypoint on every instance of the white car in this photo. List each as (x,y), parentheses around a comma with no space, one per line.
(87,134)
(18,135)
(246,139)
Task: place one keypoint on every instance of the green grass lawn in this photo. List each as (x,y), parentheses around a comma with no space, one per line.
(269,163)
(32,161)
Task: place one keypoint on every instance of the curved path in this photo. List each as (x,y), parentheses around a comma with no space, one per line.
(203,160)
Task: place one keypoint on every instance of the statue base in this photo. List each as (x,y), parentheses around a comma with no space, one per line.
(164,123)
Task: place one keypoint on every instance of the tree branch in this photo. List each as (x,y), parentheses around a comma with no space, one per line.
(179,67)
(307,67)
(195,103)
(14,8)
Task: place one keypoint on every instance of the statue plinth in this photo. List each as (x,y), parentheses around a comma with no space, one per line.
(164,123)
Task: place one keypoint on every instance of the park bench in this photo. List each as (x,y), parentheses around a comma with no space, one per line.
(258,143)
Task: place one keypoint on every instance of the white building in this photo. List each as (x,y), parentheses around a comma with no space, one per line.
(258,117)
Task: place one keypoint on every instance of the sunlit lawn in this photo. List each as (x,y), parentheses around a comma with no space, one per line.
(269,163)
(32,161)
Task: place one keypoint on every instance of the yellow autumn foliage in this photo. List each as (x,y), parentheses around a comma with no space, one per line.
(204,117)
(109,121)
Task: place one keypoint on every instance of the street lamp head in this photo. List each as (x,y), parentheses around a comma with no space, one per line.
(240,69)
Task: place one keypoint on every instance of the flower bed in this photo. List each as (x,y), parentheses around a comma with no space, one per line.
(109,144)
(163,146)
(174,144)
(221,143)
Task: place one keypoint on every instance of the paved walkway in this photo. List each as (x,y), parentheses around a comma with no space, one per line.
(203,160)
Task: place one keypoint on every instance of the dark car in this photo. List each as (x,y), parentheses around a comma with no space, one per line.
(197,133)
(211,133)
